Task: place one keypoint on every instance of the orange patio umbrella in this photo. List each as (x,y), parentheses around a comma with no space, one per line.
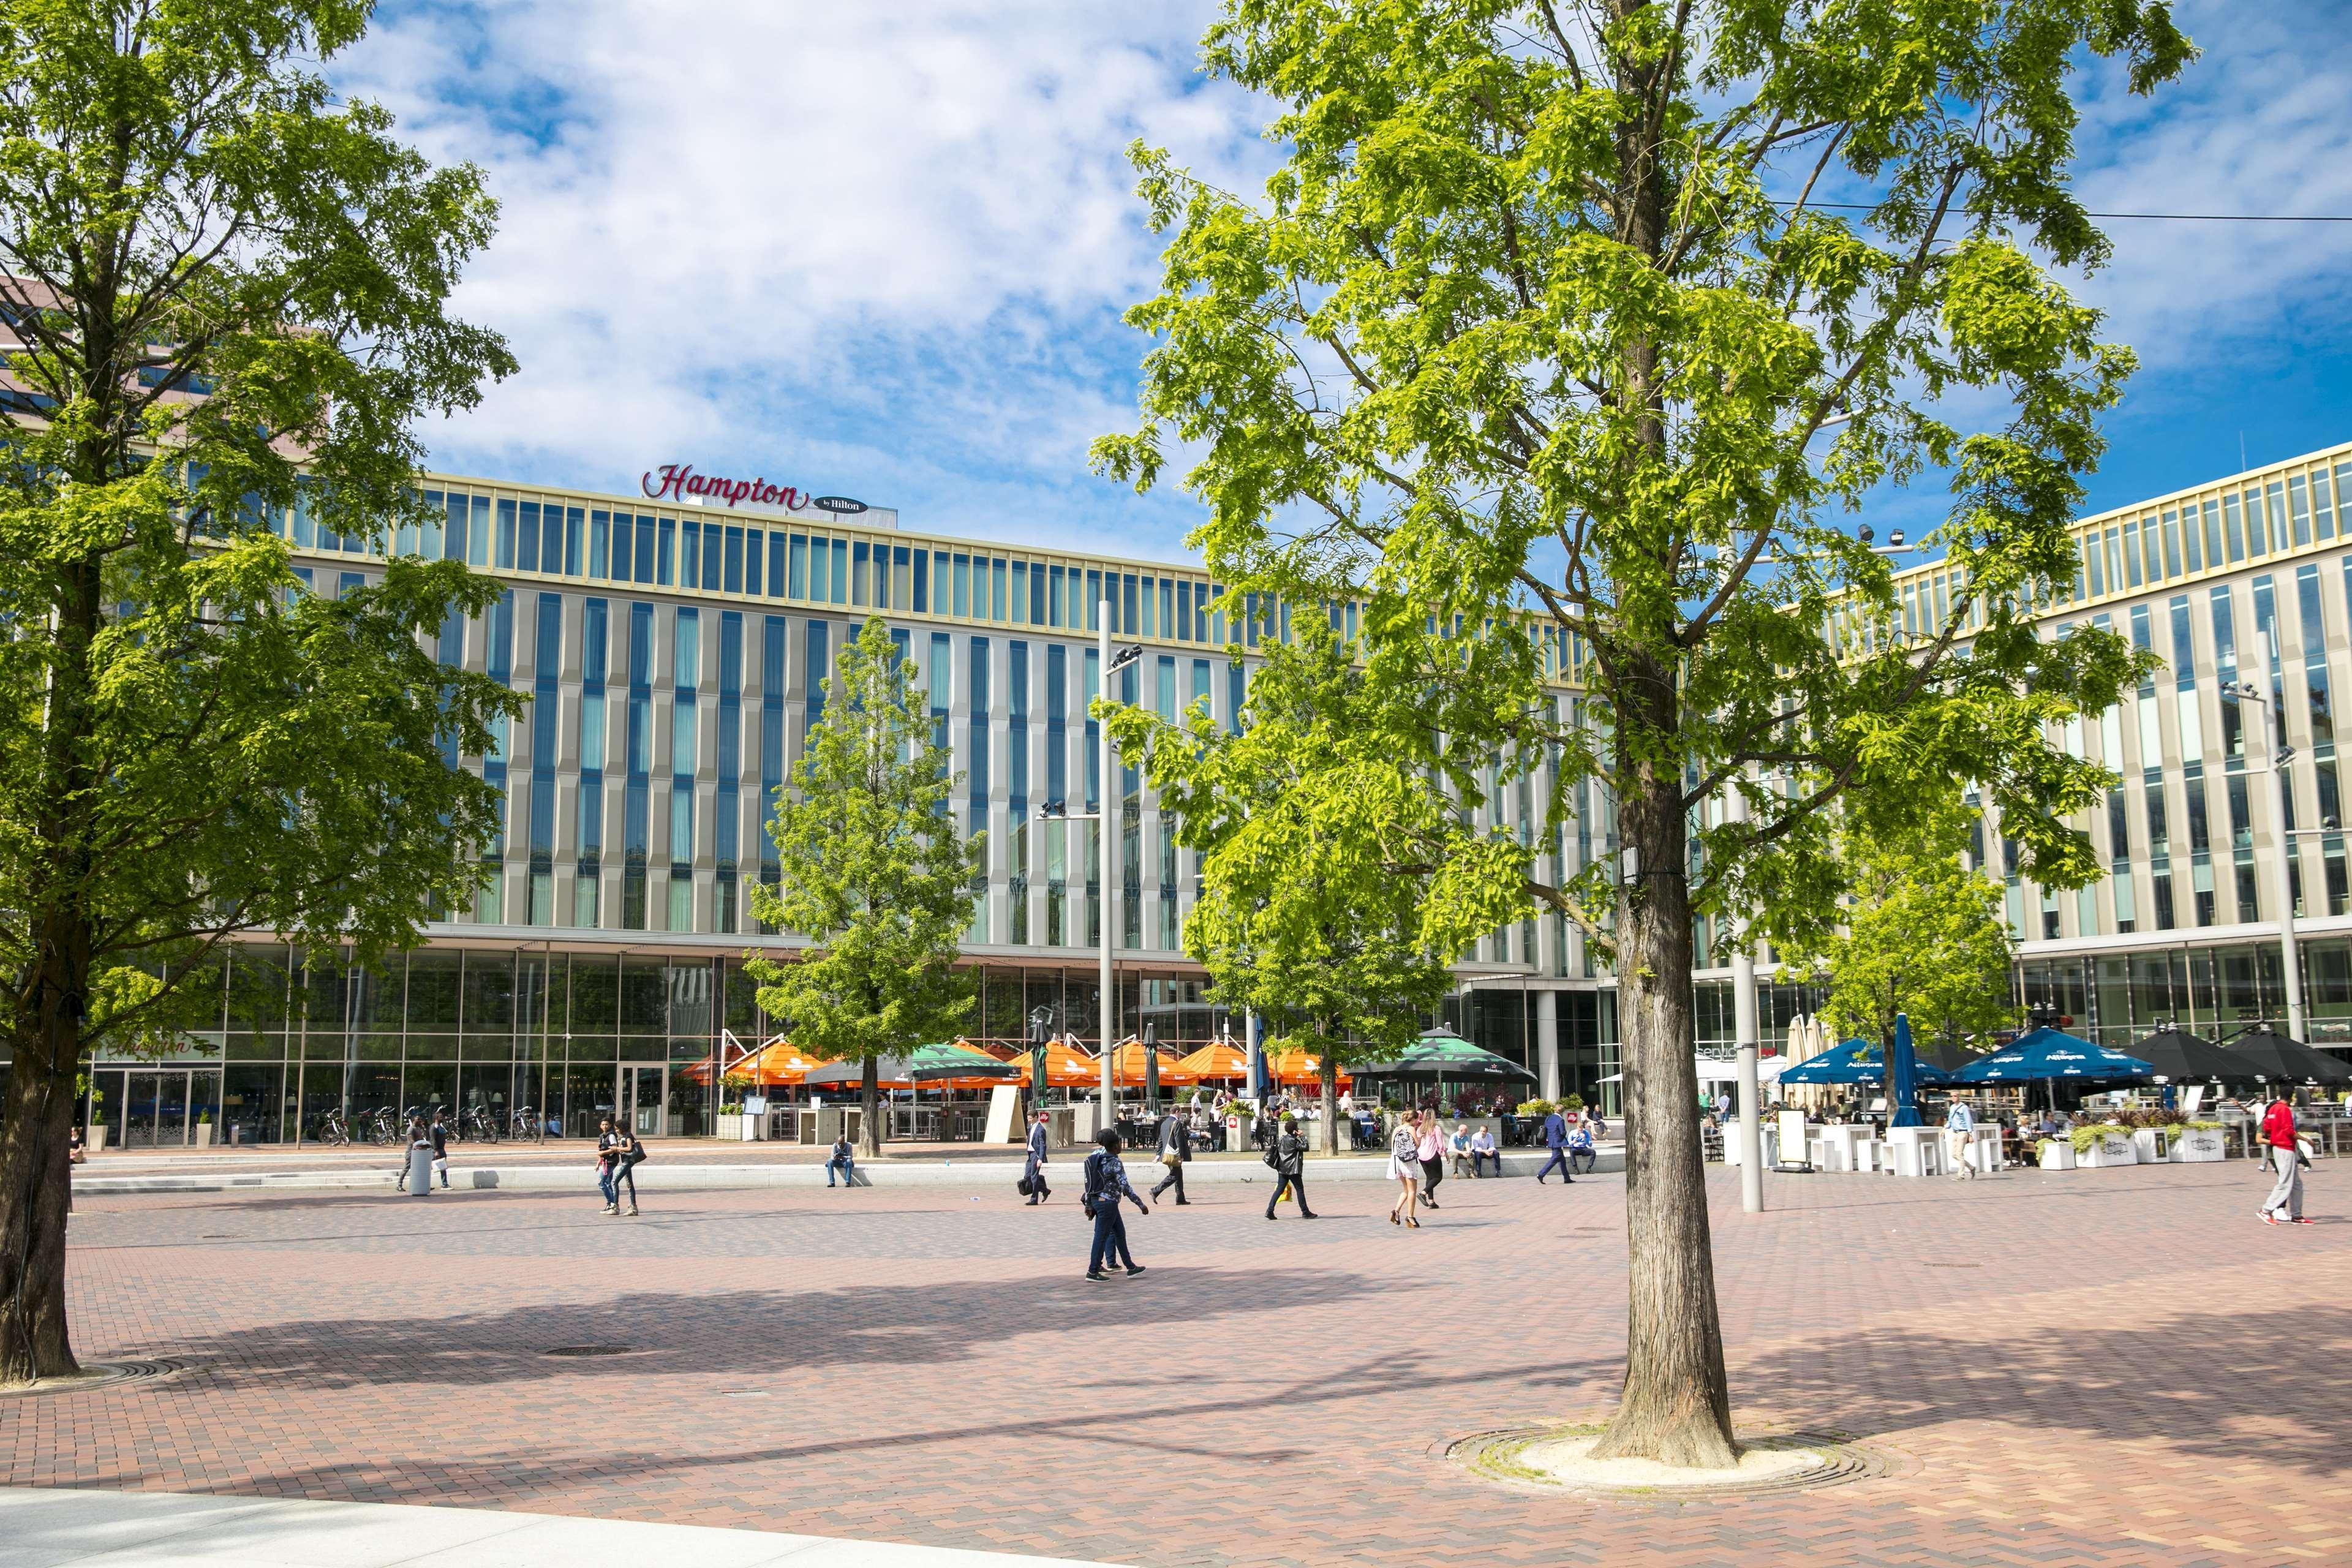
(1127,1067)
(1066,1066)
(1299,1070)
(1215,1060)
(776,1065)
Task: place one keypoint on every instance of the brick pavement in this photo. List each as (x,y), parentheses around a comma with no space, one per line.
(2092,1367)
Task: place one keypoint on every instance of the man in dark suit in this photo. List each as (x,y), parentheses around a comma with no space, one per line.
(1556,1140)
(1036,1174)
(1175,1138)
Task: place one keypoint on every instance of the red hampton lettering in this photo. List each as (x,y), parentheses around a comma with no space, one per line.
(680,481)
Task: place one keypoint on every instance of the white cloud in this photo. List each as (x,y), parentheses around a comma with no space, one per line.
(882,248)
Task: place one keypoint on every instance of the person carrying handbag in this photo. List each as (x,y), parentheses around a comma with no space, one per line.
(1175,1148)
(1289,1159)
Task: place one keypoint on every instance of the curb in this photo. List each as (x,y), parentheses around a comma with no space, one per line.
(654,1176)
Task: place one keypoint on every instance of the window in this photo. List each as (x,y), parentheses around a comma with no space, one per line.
(684,741)
(977,755)
(1016,749)
(590,847)
(547,670)
(772,631)
(636,790)
(728,826)
(498,661)
(815,667)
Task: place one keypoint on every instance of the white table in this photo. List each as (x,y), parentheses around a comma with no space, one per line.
(1842,1143)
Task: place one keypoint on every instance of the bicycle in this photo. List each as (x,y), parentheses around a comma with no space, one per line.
(526,1126)
(331,1130)
(477,1122)
(384,1129)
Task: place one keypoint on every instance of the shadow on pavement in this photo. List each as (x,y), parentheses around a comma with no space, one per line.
(2184,1380)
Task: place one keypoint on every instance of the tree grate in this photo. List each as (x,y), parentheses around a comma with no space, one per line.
(1495,1457)
(99,1375)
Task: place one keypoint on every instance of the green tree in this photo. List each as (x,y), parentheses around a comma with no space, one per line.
(873,874)
(1303,916)
(1526,345)
(1923,935)
(226,287)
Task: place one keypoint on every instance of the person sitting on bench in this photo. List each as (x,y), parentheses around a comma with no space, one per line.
(1482,1149)
(1581,1147)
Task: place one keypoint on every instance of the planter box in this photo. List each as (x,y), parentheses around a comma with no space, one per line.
(204,1132)
(2199,1146)
(2148,1146)
(94,1138)
(2109,1150)
(2058,1156)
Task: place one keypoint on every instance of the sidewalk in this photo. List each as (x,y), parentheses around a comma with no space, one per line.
(45,1529)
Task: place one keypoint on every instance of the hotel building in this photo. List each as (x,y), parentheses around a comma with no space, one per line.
(673,643)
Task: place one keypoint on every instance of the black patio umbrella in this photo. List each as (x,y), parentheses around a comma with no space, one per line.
(2184,1058)
(2277,1055)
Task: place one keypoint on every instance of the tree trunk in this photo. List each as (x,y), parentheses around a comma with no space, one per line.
(35,1173)
(1330,1103)
(870,1096)
(1677,1402)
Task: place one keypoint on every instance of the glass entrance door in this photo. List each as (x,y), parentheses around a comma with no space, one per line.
(642,1099)
(155,1110)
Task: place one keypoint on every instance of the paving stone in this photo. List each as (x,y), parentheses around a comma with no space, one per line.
(2061,1369)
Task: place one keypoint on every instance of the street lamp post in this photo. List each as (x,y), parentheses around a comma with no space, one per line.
(1059,810)
(2274,732)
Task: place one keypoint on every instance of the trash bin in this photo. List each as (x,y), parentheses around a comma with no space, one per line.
(420,1169)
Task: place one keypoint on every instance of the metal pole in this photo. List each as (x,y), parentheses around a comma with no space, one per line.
(1752,1096)
(1102,817)
(2287,954)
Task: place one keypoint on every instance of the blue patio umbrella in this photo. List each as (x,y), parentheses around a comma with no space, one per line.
(1856,1061)
(2049,1055)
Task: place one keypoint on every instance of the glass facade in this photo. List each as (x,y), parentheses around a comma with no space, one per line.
(576,964)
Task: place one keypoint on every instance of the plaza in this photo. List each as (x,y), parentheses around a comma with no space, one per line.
(2103,1367)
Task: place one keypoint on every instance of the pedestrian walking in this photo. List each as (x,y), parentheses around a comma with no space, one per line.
(1556,1140)
(439,1133)
(627,1155)
(1034,1176)
(1404,1168)
(1289,1161)
(1104,1183)
(1431,1150)
(1960,1131)
(608,1157)
(2286,1158)
(1175,1148)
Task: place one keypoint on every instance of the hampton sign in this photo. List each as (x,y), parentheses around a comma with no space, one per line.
(679,481)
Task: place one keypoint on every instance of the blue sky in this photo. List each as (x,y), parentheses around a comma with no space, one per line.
(881,251)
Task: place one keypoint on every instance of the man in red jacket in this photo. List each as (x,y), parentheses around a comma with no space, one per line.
(2278,1134)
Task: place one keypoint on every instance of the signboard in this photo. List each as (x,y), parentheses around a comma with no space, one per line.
(840,505)
(679,482)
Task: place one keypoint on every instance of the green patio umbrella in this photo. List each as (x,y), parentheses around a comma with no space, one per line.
(943,1060)
(1443,1054)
